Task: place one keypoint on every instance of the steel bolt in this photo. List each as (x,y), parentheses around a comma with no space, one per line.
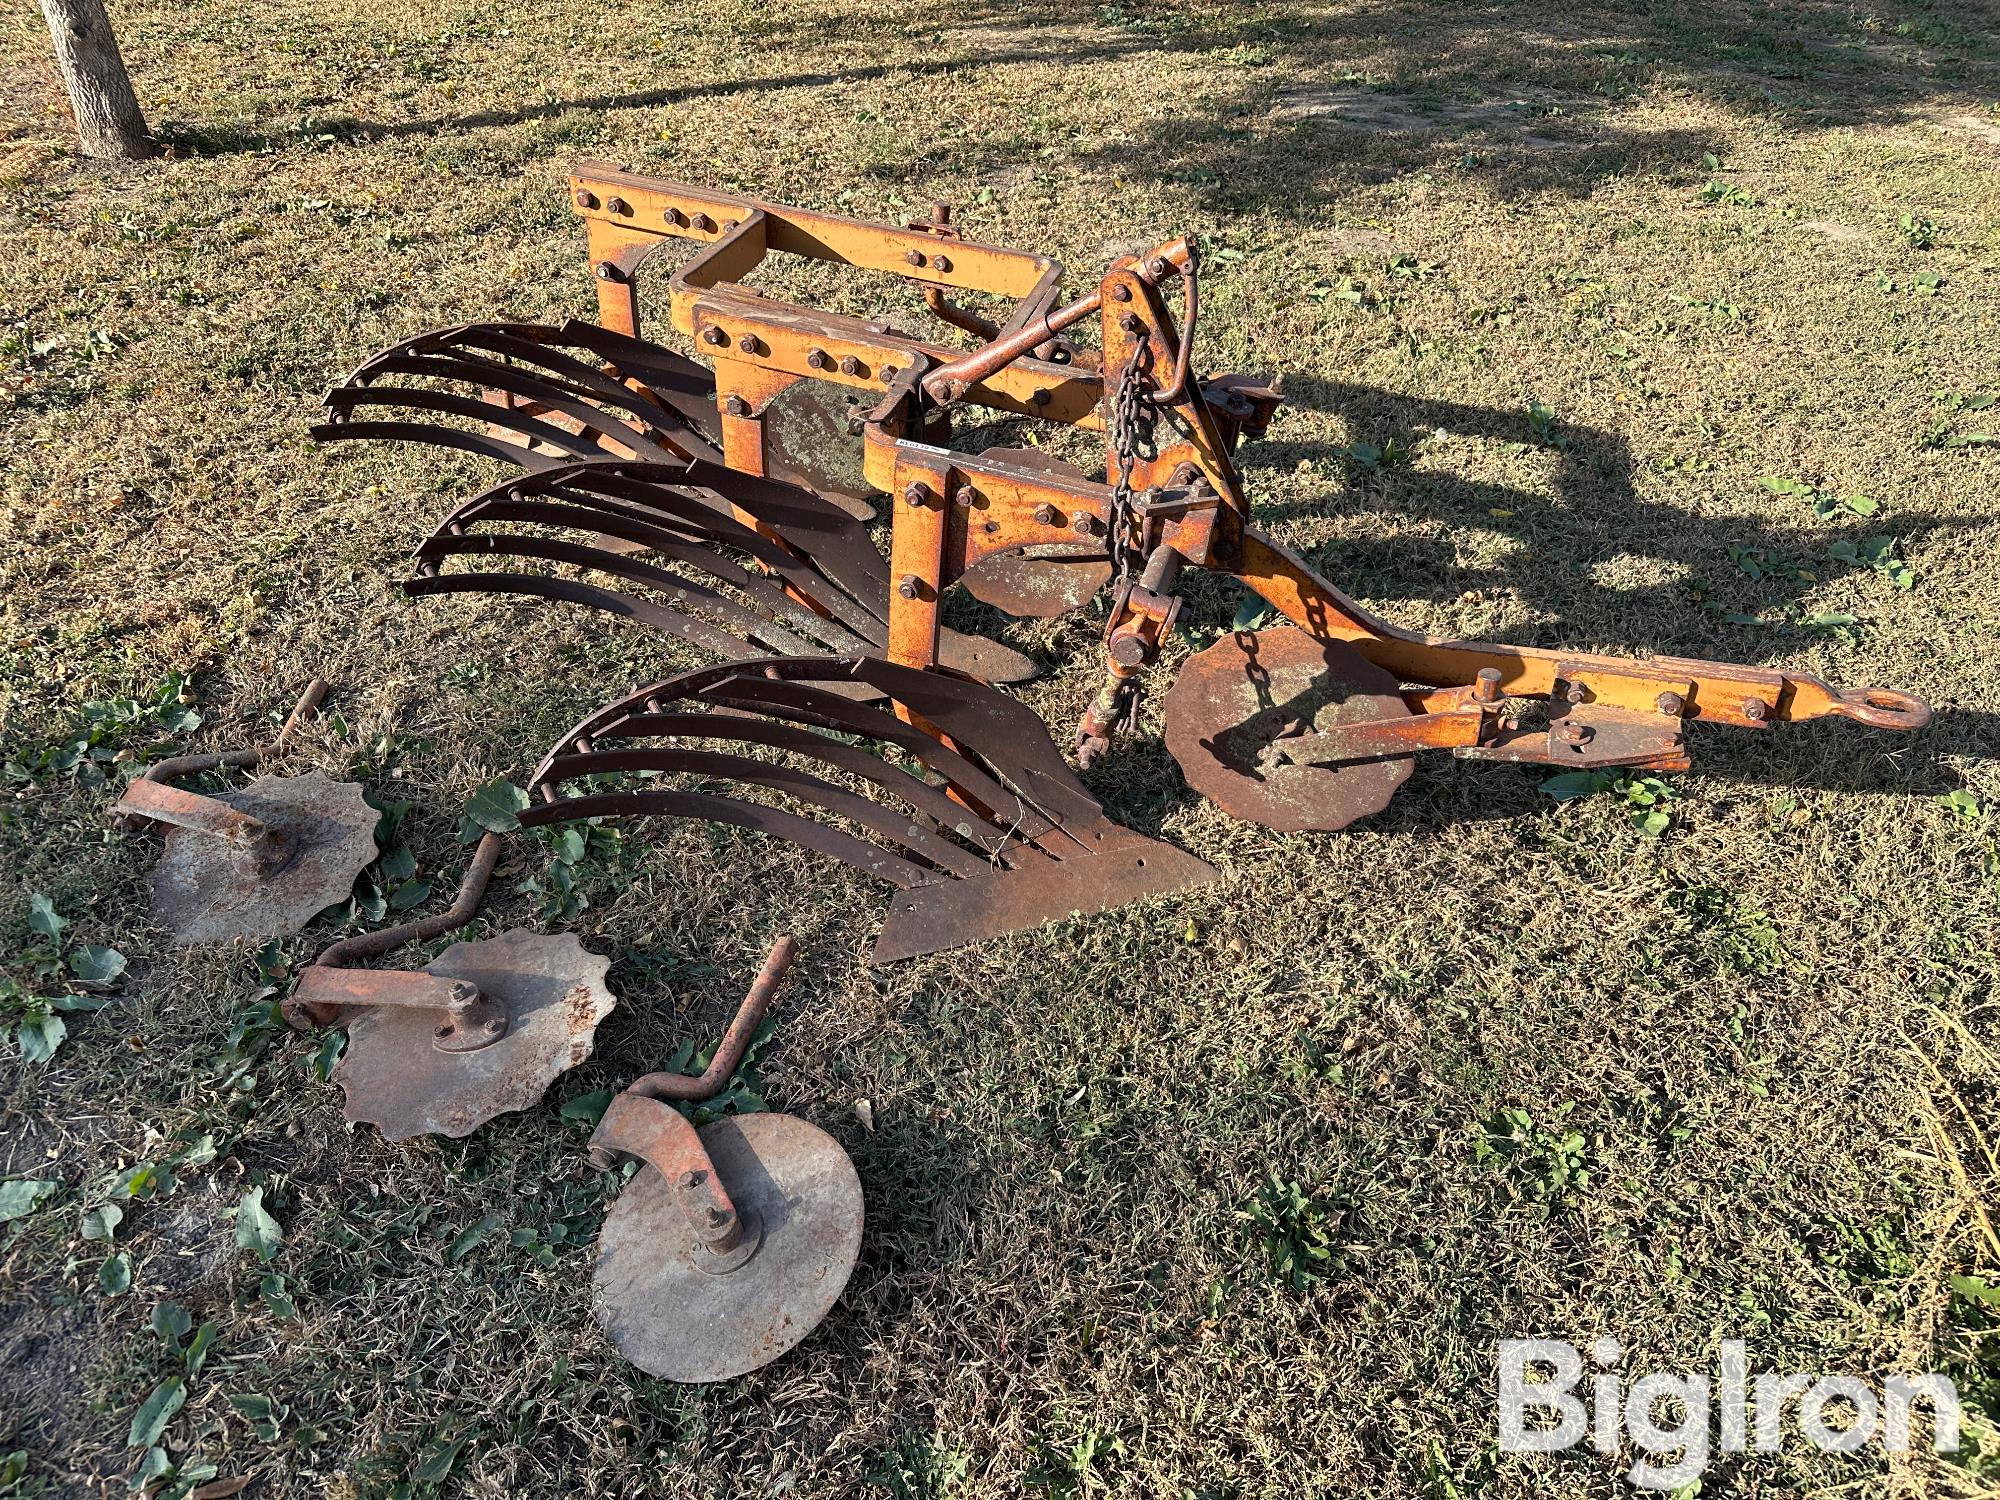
(1574,733)
(736,406)
(914,257)
(1486,686)
(690,1179)
(604,270)
(1130,323)
(1573,692)
(991,527)
(1038,398)
(1754,710)
(675,218)
(816,359)
(748,343)
(701,222)
(715,336)
(888,373)
(1670,703)
(1121,293)
(728,226)
(585,199)
(618,205)
(968,496)
(1160,267)
(849,365)
(717,1217)
(940,264)
(1083,523)
(917,494)
(910,587)
(1046,515)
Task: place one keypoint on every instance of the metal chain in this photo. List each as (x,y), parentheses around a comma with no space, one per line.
(1131,433)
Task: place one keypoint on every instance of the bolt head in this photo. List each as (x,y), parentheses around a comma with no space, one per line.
(585,199)
(1754,709)
(675,217)
(1129,649)
(909,587)
(940,264)
(1045,515)
(1670,703)
(748,343)
(701,222)
(914,257)
(736,406)
(1130,323)
(1038,398)
(1160,267)
(618,205)
(714,335)
(816,359)
(849,365)
(916,494)
(605,271)
(1573,692)
(1083,523)
(1121,293)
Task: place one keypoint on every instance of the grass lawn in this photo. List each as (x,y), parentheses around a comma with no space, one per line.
(1555,294)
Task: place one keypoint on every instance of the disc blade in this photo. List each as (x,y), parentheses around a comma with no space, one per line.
(553,992)
(207,890)
(674,1318)
(807,442)
(1249,690)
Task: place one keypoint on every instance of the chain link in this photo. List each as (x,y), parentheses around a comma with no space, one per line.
(1131,433)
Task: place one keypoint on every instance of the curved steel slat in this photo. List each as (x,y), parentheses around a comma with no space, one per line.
(532,386)
(683,388)
(510,350)
(989,719)
(834,582)
(706,808)
(688,408)
(913,791)
(438,436)
(583,513)
(570,591)
(786,688)
(680,591)
(879,818)
(838,542)
(472,409)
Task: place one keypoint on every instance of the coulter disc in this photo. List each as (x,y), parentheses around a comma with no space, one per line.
(1234,704)
(552,990)
(210,891)
(671,1315)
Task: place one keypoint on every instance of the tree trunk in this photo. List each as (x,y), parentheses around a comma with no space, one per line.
(107,115)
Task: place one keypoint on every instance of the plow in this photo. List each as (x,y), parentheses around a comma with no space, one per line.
(724,496)
(793,494)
